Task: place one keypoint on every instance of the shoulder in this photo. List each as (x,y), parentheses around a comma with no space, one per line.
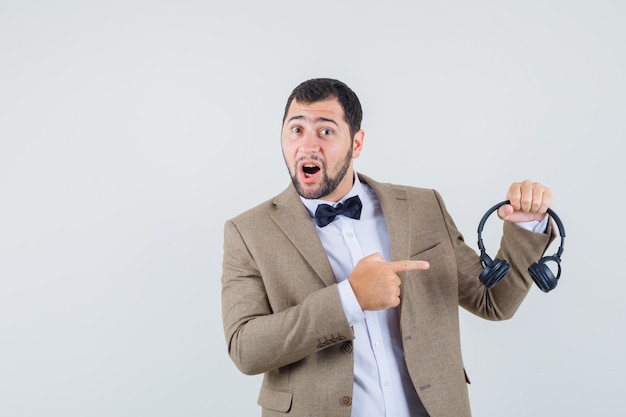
(287,201)
(385,190)
(260,210)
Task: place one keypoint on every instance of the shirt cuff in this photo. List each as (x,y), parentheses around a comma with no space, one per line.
(535,225)
(350,304)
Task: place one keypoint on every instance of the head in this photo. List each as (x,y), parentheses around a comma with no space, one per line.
(321,135)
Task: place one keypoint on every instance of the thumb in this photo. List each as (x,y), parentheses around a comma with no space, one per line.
(509,214)
(505,212)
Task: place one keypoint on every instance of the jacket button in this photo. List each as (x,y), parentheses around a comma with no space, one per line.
(346,347)
(346,400)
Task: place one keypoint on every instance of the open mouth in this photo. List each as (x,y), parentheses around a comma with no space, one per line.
(310,170)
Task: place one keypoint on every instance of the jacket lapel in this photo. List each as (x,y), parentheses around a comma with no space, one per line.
(294,221)
(394,203)
(395,206)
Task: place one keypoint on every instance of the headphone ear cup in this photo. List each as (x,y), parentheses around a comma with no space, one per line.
(543,276)
(493,272)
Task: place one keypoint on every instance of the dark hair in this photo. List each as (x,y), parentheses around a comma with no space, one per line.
(319,89)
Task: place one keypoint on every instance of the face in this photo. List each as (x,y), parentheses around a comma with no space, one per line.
(318,149)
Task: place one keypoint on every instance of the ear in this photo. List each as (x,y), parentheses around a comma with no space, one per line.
(357,143)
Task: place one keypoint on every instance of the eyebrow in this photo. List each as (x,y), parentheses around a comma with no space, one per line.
(317,119)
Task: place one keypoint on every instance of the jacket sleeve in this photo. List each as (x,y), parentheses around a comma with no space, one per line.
(270,322)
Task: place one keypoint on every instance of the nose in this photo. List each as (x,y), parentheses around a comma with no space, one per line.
(309,143)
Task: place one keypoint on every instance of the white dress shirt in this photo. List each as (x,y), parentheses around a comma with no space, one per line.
(382,386)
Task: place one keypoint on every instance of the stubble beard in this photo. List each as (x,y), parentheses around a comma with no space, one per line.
(329,183)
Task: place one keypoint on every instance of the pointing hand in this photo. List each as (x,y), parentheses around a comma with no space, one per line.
(376,283)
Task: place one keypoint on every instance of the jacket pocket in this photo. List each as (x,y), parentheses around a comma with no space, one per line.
(277,400)
(427,253)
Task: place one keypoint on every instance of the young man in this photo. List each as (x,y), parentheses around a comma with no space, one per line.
(344,291)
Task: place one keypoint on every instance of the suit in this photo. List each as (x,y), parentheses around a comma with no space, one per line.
(283,316)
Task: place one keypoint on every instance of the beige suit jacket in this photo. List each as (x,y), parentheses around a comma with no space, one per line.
(283,317)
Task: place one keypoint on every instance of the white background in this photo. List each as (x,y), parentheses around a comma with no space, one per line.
(130,131)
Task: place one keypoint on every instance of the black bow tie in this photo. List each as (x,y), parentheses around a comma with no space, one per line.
(326,213)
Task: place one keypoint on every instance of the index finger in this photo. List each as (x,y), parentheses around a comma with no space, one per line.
(409,265)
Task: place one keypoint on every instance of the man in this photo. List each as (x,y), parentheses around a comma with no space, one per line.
(355,313)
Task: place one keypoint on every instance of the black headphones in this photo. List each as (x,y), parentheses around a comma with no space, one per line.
(494,270)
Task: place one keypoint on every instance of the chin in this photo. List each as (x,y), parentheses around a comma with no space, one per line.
(307,192)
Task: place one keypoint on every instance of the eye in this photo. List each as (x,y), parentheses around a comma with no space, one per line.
(296,129)
(326,132)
